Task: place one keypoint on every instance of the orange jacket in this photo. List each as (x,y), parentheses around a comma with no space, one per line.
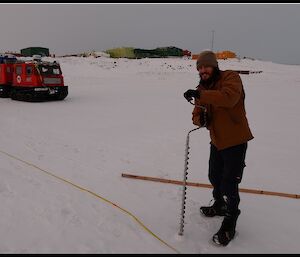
(224,101)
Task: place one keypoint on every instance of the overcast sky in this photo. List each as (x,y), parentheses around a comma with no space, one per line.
(268,32)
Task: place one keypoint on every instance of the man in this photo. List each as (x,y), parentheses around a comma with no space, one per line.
(221,95)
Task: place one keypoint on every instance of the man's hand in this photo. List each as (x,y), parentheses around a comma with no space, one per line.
(189,94)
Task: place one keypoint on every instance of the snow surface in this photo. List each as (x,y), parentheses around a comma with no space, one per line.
(129,116)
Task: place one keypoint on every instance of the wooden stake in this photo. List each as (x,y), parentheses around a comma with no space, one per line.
(177,182)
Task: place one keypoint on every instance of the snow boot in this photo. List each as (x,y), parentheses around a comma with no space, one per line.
(218,208)
(227,231)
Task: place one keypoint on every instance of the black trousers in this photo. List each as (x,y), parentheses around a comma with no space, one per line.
(225,173)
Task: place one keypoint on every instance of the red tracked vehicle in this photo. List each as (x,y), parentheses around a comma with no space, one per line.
(6,74)
(36,80)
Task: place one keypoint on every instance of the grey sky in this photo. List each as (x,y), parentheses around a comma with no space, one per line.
(268,32)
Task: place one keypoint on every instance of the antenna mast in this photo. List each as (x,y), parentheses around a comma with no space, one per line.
(212,40)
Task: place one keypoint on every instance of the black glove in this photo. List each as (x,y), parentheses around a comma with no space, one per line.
(189,94)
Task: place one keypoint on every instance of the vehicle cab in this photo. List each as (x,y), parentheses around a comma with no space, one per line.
(38,80)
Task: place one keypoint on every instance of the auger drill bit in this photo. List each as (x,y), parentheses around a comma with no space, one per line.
(186,163)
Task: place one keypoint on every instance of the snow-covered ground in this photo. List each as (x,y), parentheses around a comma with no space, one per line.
(129,116)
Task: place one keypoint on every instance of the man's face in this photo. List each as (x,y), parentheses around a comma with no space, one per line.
(205,72)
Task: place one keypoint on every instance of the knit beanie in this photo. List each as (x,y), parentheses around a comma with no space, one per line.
(207,58)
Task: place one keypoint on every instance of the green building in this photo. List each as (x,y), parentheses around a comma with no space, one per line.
(159,52)
(30,51)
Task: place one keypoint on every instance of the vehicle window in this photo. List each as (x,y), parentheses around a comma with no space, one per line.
(28,70)
(56,71)
(8,69)
(49,70)
(19,70)
(45,69)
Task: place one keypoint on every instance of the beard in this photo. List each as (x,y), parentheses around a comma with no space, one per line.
(212,78)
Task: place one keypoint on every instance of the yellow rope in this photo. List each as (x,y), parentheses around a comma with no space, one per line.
(94,194)
(40,75)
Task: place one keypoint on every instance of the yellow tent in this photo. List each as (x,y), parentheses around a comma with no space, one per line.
(220,55)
